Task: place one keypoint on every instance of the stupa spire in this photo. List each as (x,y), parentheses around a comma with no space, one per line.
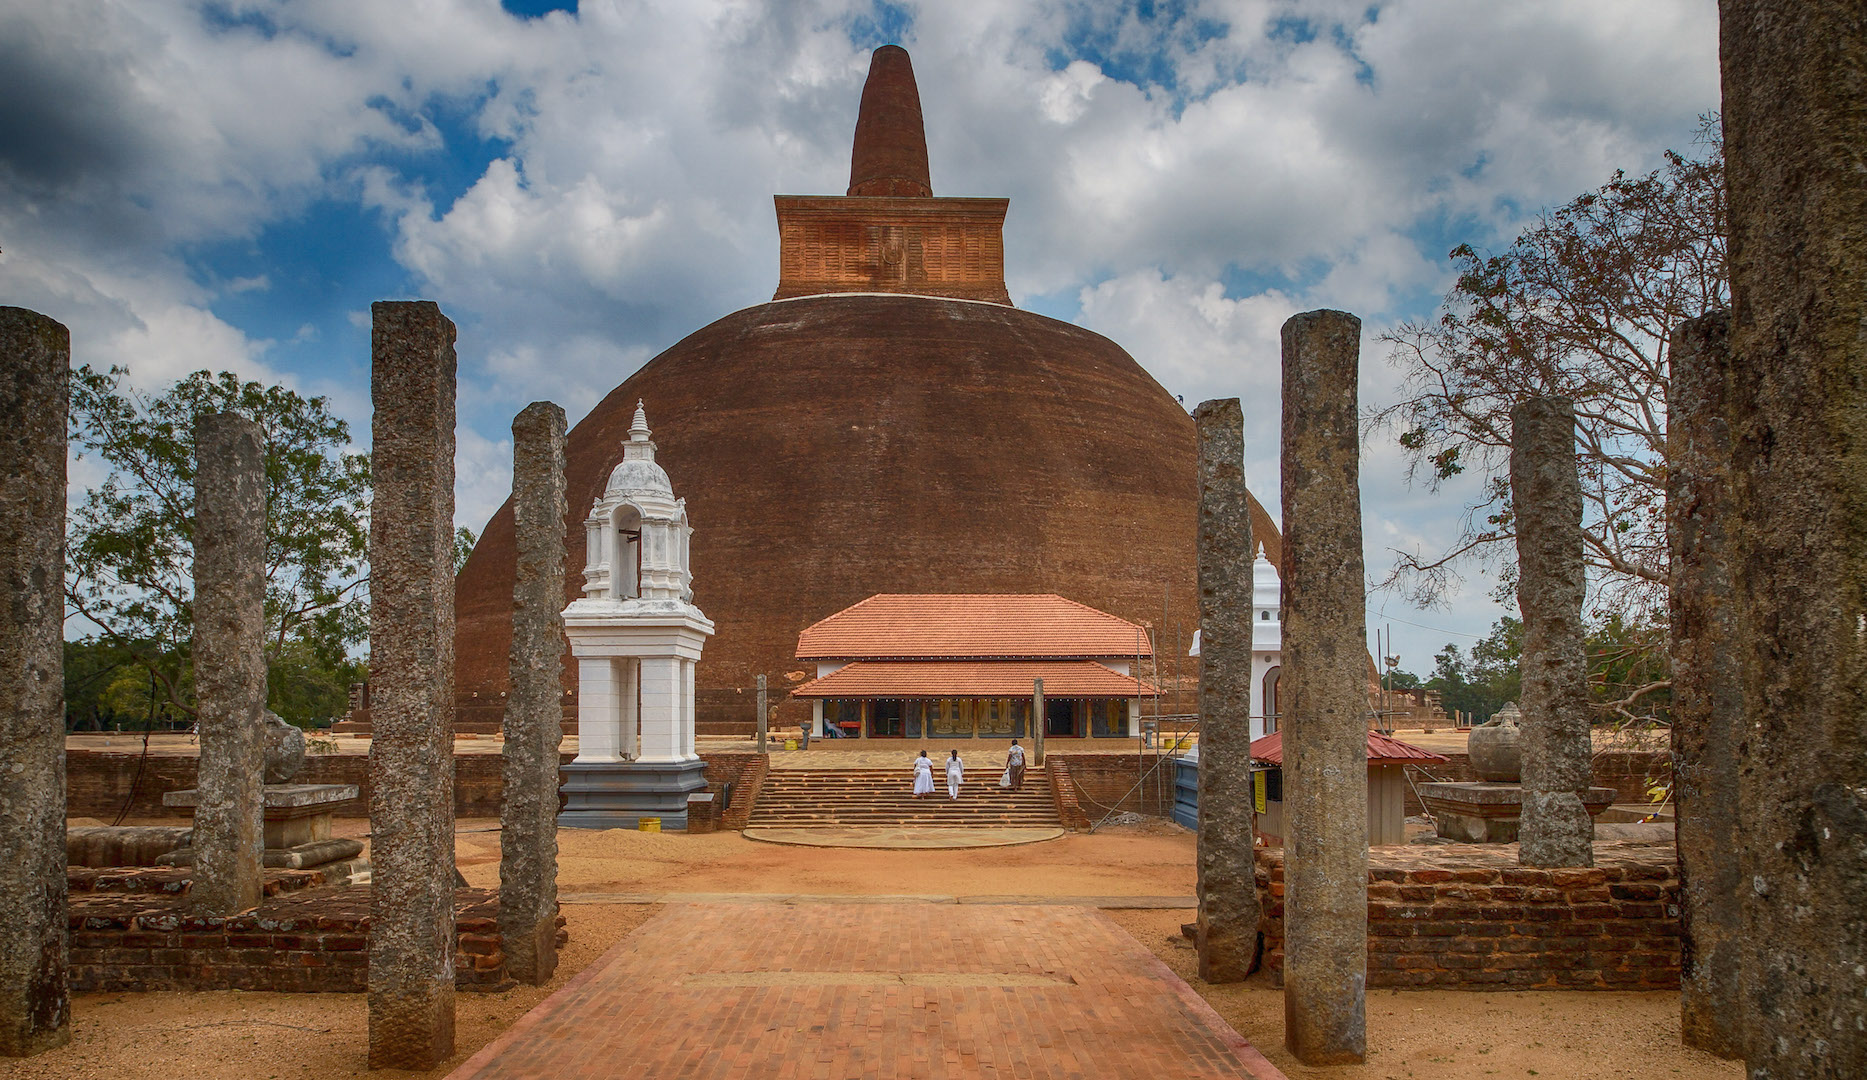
(890,156)
(639,447)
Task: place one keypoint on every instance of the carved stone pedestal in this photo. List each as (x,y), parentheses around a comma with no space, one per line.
(1484,813)
(297,830)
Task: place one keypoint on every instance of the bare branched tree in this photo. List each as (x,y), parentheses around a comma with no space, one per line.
(1581,304)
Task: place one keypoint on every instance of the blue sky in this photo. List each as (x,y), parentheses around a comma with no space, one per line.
(229,184)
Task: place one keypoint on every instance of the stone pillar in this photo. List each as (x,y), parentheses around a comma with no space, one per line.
(528,846)
(411,950)
(1546,501)
(763,720)
(1227,935)
(35,996)
(1794,130)
(229,662)
(1325,679)
(599,736)
(660,696)
(1037,721)
(1707,691)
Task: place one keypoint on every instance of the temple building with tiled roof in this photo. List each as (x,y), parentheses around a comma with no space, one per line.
(965,666)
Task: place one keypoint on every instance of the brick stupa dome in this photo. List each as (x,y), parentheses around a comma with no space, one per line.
(889,423)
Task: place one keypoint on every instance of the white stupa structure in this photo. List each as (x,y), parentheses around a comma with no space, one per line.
(1267,645)
(636,636)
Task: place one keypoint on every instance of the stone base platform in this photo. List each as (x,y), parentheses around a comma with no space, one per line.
(1487,813)
(101,846)
(618,795)
(903,839)
(297,830)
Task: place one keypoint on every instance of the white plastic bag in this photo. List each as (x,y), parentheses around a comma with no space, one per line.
(1005,780)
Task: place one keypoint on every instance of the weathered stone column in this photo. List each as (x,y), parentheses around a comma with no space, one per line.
(1228,886)
(764,721)
(1707,690)
(411,962)
(1794,130)
(528,845)
(35,996)
(229,662)
(1546,501)
(1325,677)
(1037,721)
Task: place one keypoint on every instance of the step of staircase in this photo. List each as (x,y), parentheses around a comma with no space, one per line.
(883,798)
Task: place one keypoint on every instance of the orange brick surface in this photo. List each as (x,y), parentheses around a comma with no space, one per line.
(872,991)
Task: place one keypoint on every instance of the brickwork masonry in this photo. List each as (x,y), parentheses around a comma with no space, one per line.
(100,783)
(1467,917)
(314,941)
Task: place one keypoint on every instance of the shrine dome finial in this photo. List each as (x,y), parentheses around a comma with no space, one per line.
(637,471)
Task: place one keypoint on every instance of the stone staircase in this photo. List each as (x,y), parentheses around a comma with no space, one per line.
(883,799)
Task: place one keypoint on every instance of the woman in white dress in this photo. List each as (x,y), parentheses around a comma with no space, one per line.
(923,776)
(955,772)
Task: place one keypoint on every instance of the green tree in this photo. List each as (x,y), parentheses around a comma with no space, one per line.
(309,688)
(1629,669)
(130,539)
(463,546)
(1581,304)
(1480,684)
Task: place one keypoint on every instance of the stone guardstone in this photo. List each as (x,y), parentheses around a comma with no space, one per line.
(297,829)
(1488,813)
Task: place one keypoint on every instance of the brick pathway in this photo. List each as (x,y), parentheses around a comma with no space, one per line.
(879,991)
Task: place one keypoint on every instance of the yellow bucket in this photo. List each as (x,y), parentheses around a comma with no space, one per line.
(790,744)
(649,824)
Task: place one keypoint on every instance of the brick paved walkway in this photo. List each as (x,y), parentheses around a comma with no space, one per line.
(878,991)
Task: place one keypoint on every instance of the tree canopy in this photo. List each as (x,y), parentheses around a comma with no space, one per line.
(130,538)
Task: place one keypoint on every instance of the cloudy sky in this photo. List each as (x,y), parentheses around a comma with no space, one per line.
(229,184)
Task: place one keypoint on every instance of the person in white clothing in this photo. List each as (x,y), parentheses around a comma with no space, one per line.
(923,776)
(955,772)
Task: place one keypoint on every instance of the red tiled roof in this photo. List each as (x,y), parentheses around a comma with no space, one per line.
(898,625)
(971,678)
(1382,750)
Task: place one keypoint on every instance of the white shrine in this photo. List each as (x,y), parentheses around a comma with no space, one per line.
(1267,645)
(636,635)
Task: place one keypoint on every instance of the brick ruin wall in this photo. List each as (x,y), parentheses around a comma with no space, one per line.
(1099,782)
(138,935)
(1467,917)
(100,784)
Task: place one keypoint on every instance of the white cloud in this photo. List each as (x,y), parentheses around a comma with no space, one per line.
(1326,144)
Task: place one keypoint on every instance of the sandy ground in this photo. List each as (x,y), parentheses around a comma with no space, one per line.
(1147,860)
(231,1035)
(1442,1035)
(1452,1035)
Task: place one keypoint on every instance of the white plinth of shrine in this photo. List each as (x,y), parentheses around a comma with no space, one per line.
(636,636)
